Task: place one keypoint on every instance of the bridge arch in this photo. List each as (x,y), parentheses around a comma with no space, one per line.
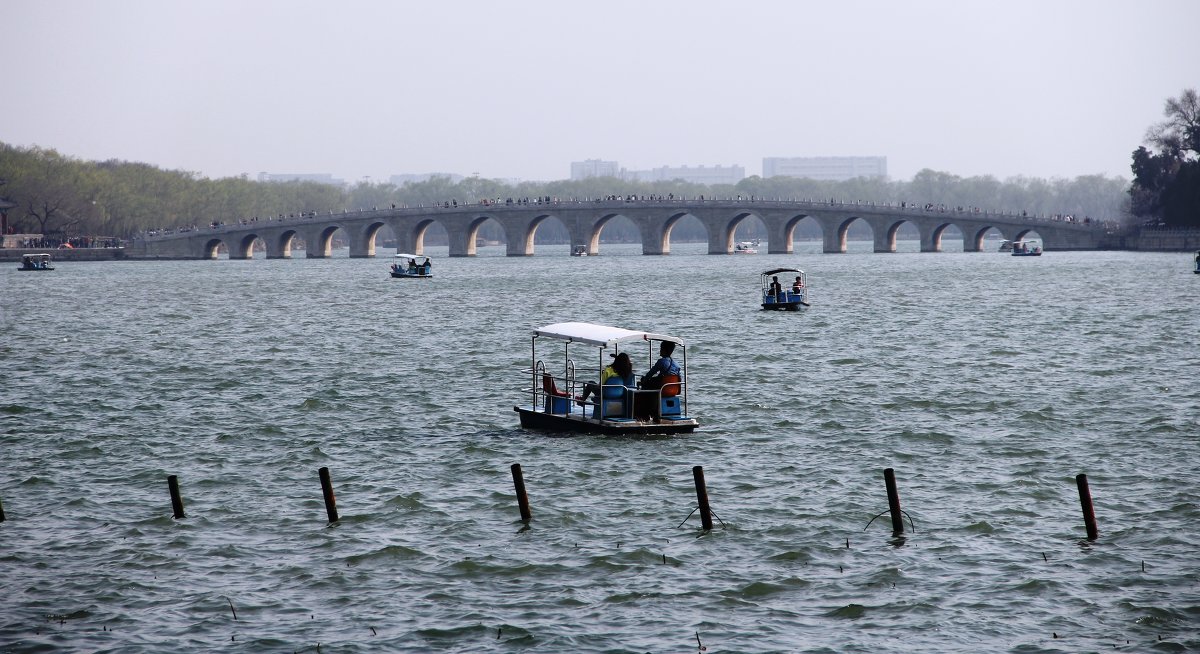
(362,242)
(885,239)
(462,242)
(211,248)
(725,240)
(242,247)
(934,243)
(663,236)
(531,232)
(319,245)
(973,241)
(837,234)
(280,246)
(591,237)
(788,229)
(410,235)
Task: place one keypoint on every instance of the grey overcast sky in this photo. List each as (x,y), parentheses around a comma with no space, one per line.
(372,88)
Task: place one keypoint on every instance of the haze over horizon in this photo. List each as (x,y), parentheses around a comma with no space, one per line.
(368,89)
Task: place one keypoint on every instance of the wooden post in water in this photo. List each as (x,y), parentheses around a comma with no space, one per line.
(889,477)
(702,498)
(522,498)
(327,490)
(1085,501)
(1,512)
(176,500)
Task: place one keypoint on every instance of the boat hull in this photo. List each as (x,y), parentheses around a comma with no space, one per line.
(783,306)
(574,423)
(416,276)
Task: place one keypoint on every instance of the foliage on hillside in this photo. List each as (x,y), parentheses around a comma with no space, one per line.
(59,195)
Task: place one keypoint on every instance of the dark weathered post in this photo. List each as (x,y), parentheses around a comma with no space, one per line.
(522,498)
(1085,501)
(176,500)
(1,512)
(889,477)
(702,498)
(327,490)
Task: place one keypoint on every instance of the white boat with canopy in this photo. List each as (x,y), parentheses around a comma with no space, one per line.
(411,265)
(557,384)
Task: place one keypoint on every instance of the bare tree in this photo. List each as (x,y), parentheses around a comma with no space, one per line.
(1179,134)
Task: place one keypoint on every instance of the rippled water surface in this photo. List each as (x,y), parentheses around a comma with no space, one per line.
(987,382)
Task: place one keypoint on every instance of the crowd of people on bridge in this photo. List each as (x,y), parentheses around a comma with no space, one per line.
(68,243)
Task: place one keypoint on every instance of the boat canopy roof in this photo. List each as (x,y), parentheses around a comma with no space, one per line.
(401,255)
(776,271)
(598,335)
(35,256)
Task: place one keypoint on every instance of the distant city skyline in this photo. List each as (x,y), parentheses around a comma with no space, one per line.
(836,168)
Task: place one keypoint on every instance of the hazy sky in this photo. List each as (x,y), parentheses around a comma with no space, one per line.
(360,88)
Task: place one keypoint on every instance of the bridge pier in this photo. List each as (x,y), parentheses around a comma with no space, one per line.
(930,241)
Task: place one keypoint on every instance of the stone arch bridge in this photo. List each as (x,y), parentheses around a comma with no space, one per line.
(585,220)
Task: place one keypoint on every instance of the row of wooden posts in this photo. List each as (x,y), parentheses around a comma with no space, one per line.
(706,515)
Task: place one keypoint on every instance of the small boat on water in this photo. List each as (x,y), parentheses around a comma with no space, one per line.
(1030,248)
(35,262)
(746,247)
(557,394)
(412,265)
(1006,246)
(1197,270)
(579,251)
(784,296)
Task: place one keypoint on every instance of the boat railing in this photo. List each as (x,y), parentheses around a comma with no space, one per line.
(544,386)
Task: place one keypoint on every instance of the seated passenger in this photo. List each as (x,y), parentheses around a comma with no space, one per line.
(614,379)
(797,286)
(775,288)
(663,371)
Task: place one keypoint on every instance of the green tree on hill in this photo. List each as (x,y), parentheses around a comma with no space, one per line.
(1166,183)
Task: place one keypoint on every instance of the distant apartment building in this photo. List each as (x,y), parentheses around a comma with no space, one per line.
(320,178)
(696,175)
(825,168)
(417,178)
(594,168)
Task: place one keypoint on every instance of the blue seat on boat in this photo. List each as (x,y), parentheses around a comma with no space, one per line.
(671,407)
(614,403)
(556,400)
(557,404)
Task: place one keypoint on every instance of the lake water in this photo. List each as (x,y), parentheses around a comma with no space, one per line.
(987,382)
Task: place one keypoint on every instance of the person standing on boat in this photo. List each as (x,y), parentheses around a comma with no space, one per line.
(775,289)
(617,373)
(427,266)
